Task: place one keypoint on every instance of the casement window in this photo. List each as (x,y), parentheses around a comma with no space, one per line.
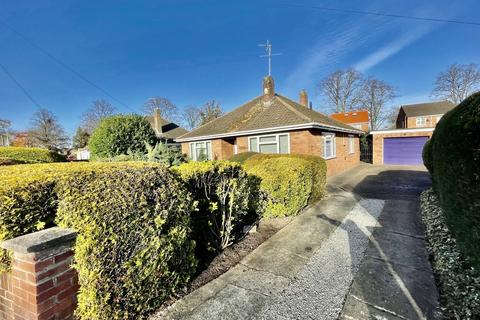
(201,151)
(421,121)
(351,144)
(329,146)
(275,143)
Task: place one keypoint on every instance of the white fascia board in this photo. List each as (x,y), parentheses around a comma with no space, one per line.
(402,130)
(271,130)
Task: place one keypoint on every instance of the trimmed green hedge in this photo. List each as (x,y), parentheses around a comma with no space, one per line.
(242,157)
(28,200)
(225,195)
(291,181)
(20,155)
(427,156)
(121,135)
(134,249)
(453,159)
(459,282)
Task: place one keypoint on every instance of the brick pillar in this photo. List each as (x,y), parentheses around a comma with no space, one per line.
(41,283)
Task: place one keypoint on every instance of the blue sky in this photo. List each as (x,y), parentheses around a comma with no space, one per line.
(193,51)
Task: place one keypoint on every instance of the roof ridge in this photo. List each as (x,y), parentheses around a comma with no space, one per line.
(223,115)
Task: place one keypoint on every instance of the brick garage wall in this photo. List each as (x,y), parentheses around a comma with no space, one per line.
(41,283)
(377,142)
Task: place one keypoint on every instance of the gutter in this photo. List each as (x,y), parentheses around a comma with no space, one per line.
(402,130)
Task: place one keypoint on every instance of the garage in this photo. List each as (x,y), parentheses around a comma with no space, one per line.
(403,150)
(399,146)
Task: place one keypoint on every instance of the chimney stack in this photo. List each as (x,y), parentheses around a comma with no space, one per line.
(157,122)
(268,88)
(303,98)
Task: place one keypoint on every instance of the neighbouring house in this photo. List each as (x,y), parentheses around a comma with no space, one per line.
(358,119)
(422,115)
(415,125)
(166,131)
(4,139)
(272,123)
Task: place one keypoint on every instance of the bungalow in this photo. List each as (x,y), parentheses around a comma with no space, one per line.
(272,123)
(415,125)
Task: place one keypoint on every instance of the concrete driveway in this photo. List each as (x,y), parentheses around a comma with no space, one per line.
(358,254)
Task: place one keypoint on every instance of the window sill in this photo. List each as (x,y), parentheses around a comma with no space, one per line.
(330,158)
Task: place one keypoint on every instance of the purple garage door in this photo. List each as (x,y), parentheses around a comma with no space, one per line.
(403,150)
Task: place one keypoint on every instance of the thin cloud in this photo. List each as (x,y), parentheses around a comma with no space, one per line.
(382,54)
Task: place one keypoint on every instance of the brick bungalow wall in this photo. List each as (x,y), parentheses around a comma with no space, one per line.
(301,142)
(41,284)
(377,142)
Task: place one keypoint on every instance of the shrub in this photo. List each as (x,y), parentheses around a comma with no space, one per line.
(225,196)
(459,282)
(134,249)
(28,200)
(242,157)
(427,156)
(121,135)
(291,181)
(455,170)
(165,154)
(19,155)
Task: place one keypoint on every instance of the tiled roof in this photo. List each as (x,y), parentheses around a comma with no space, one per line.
(352,116)
(170,130)
(259,114)
(429,108)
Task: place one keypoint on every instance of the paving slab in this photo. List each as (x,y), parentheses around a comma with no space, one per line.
(267,270)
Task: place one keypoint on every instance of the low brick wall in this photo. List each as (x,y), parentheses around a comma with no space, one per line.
(41,284)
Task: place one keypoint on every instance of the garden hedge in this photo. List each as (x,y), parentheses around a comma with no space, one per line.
(19,155)
(459,283)
(242,157)
(134,248)
(28,199)
(226,197)
(290,181)
(453,159)
(121,135)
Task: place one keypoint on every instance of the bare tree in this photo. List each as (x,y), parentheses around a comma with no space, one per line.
(457,82)
(342,89)
(376,94)
(46,131)
(5,125)
(168,110)
(391,117)
(97,111)
(191,117)
(210,111)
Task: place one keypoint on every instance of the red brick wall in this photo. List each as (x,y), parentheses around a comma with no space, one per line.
(377,142)
(301,142)
(39,286)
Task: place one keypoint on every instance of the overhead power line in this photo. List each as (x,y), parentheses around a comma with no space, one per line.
(19,85)
(64,65)
(384,14)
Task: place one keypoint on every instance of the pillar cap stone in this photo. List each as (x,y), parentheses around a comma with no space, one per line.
(40,241)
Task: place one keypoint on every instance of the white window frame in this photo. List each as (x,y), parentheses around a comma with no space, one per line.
(422,123)
(277,141)
(193,149)
(351,144)
(325,136)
